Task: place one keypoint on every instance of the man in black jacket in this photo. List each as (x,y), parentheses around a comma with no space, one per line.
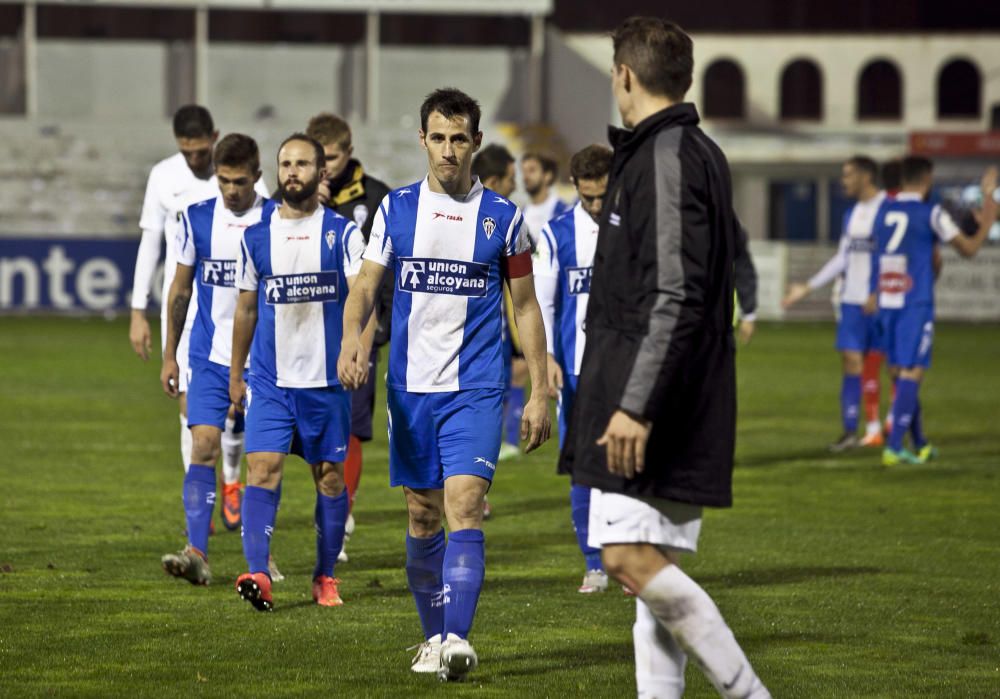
(654,423)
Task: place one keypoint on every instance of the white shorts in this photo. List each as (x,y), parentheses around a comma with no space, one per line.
(622,519)
(184,373)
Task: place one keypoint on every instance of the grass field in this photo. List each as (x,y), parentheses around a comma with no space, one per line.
(840,578)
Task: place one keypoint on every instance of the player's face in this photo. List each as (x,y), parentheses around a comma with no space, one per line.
(592,194)
(505,186)
(850,180)
(535,178)
(337,158)
(197,153)
(298,173)
(450,145)
(236,185)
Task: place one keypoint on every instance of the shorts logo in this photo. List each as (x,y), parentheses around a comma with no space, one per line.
(360,215)
(578,279)
(320,287)
(489,225)
(489,464)
(439,599)
(926,339)
(218,272)
(330,237)
(437,276)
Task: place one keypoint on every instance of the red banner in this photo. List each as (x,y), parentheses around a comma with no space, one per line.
(969,143)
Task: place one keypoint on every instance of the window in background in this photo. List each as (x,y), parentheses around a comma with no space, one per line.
(802,91)
(880,91)
(793,210)
(724,91)
(959,91)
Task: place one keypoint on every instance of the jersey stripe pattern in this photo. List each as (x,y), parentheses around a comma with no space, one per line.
(857,243)
(446,253)
(299,269)
(209,240)
(566,252)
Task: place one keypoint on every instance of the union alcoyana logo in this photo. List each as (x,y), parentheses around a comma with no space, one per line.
(320,287)
(218,272)
(437,276)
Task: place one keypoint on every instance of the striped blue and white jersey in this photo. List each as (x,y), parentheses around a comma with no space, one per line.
(209,240)
(300,270)
(447,254)
(564,262)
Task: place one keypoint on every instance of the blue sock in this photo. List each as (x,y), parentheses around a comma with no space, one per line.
(514,411)
(917,428)
(902,411)
(463,573)
(850,402)
(424,561)
(579,500)
(259,508)
(331,517)
(199,500)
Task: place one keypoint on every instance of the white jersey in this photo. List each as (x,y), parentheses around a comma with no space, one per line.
(854,253)
(564,260)
(448,256)
(537,215)
(209,241)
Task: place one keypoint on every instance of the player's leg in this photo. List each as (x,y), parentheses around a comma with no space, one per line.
(362,409)
(232,457)
(852,331)
(914,334)
(183,379)
(659,659)
(185,431)
(871,388)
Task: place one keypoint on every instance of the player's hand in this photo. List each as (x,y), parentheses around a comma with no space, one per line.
(352,364)
(138,335)
(170,377)
(988,184)
(871,305)
(237,392)
(555,376)
(796,292)
(625,439)
(746,330)
(323,192)
(535,423)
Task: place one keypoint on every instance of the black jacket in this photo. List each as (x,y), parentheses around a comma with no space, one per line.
(659,319)
(745,273)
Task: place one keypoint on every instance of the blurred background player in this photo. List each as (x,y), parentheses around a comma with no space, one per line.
(857,329)
(564,261)
(354,194)
(208,246)
(453,245)
(291,275)
(906,233)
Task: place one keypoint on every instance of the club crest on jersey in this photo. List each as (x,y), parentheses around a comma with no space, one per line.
(578,279)
(436,276)
(319,287)
(330,238)
(218,272)
(489,225)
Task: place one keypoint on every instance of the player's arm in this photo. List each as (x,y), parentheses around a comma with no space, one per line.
(359,326)
(178,300)
(948,231)
(833,268)
(244,326)
(745,281)
(546,279)
(151,223)
(535,423)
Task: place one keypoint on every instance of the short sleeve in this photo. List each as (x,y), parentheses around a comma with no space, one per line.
(246,275)
(517,240)
(943,224)
(184,244)
(354,249)
(545,260)
(379,248)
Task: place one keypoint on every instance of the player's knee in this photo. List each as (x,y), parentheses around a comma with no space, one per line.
(330,482)
(205,447)
(425,519)
(263,473)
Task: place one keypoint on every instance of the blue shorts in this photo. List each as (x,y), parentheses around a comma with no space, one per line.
(857,332)
(909,335)
(564,407)
(433,436)
(314,423)
(208,395)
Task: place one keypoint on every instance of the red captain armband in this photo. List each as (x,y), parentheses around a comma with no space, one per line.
(516,265)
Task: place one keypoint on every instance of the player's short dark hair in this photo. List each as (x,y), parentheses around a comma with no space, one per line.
(193,121)
(915,168)
(892,174)
(549,164)
(659,52)
(237,150)
(450,102)
(865,164)
(491,161)
(330,129)
(591,163)
(299,136)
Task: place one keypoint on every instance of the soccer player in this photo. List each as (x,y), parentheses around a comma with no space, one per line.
(453,244)
(539,173)
(564,262)
(208,246)
(354,194)
(857,331)
(293,273)
(653,430)
(907,231)
(494,166)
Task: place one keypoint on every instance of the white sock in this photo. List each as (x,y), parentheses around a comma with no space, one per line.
(185,443)
(690,615)
(232,453)
(659,661)
(874,427)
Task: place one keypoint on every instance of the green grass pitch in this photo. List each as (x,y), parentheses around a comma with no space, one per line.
(840,578)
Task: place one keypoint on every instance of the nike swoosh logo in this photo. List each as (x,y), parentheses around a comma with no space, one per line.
(729,685)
